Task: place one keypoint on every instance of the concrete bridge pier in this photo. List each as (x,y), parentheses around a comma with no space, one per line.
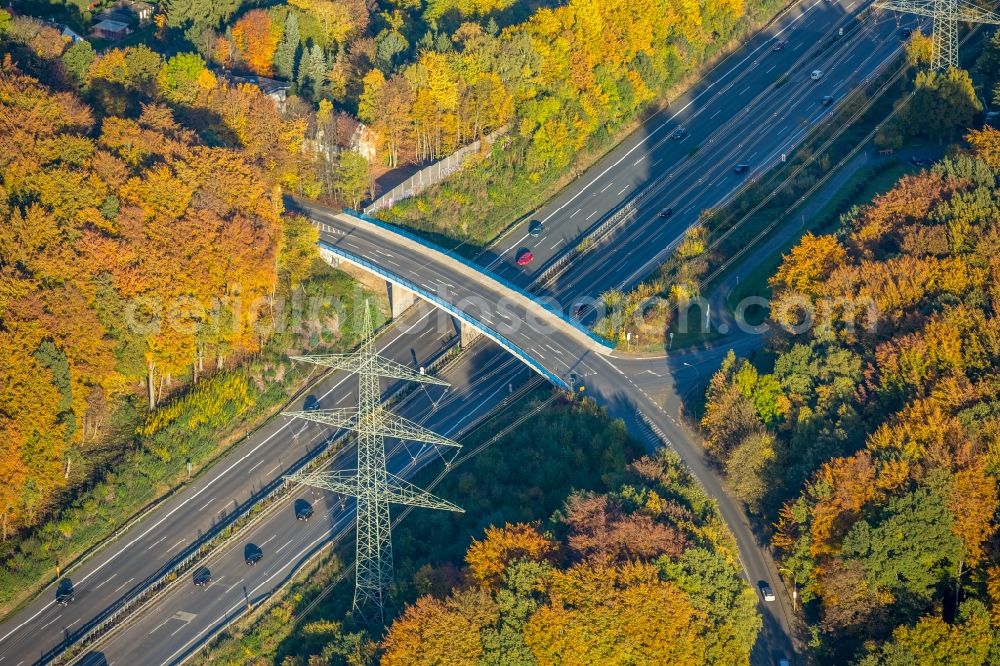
(400,298)
(466,333)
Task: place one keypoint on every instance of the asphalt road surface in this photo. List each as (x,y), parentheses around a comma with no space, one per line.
(711,113)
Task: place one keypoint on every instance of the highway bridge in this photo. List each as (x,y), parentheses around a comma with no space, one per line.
(753,106)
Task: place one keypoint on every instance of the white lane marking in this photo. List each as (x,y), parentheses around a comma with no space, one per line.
(592,215)
(717,112)
(745,90)
(638,161)
(561,240)
(575,212)
(287,544)
(206,504)
(47,624)
(175,545)
(607,186)
(157,627)
(152,545)
(107,580)
(623,190)
(657,161)
(256,466)
(797,46)
(273,469)
(226,614)
(119,588)
(771,70)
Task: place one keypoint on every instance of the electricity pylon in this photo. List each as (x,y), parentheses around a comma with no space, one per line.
(946,15)
(371,483)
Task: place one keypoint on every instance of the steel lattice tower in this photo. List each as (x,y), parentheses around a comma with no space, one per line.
(371,483)
(946,15)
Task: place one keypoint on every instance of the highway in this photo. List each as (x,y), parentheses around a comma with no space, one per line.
(736,115)
(162,537)
(145,551)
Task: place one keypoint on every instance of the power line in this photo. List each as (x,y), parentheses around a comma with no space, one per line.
(371,483)
(946,15)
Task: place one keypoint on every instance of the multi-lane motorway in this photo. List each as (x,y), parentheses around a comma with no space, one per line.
(735,116)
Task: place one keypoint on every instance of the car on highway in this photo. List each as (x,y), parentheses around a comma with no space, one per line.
(64,593)
(535,228)
(827,100)
(524,257)
(917,162)
(679,134)
(779,46)
(741,168)
(202,577)
(765,591)
(303,510)
(816,75)
(252,554)
(310,403)
(666,212)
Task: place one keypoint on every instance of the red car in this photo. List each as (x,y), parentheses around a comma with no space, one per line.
(524,257)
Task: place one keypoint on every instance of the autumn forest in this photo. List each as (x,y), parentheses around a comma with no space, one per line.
(154,279)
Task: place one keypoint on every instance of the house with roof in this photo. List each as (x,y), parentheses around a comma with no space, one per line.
(110,29)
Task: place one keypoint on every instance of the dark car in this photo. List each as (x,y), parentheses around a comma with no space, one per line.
(524,257)
(64,593)
(827,100)
(303,510)
(779,46)
(917,162)
(666,212)
(679,134)
(202,577)
(741,168)
(252,554)
(310,403)
(535,228)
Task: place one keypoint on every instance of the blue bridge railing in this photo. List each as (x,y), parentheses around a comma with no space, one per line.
(451,309)
(485,271)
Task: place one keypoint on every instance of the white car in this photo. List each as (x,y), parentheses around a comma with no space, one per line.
(816,75)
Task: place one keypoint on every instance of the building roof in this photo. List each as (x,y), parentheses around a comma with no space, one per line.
(66,32)
(107,25)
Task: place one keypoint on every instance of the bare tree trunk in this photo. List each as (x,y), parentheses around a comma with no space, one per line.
(151,386)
